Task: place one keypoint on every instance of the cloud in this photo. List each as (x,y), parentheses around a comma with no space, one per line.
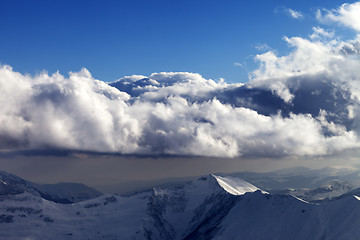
(313,57)
(262,47)
(159,86)
(290,12)
(294,14)
(237,64)
(347,14)
(319,32)
(165,113)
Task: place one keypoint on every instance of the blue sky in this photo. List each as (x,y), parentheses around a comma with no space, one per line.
(117,38)
(301,107)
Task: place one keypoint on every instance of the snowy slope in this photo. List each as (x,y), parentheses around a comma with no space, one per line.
(326,191)
(66,192)
(170,213)
(106,217)
(211,207)
(259,216)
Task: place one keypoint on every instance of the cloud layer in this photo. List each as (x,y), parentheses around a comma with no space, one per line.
(173,113)
(305,103)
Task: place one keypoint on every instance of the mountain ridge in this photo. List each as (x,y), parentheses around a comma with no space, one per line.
(211,207)
(59,192)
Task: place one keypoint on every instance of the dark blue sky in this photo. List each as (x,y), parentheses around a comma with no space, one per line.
(117,38)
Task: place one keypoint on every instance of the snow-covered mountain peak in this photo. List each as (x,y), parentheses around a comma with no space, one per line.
(235,186)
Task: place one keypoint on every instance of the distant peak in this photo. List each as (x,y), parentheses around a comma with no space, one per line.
(236,186)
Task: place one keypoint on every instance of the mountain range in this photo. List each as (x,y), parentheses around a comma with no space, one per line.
(211,207)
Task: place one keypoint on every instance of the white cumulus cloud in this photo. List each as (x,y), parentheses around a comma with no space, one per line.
(82,113)
(347,14)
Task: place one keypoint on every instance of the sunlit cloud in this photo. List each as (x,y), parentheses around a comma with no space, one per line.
(298,15)
(347,14)
(319,32)
(294,14)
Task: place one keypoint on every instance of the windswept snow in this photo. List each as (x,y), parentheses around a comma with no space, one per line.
(300,199)
(235,186)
